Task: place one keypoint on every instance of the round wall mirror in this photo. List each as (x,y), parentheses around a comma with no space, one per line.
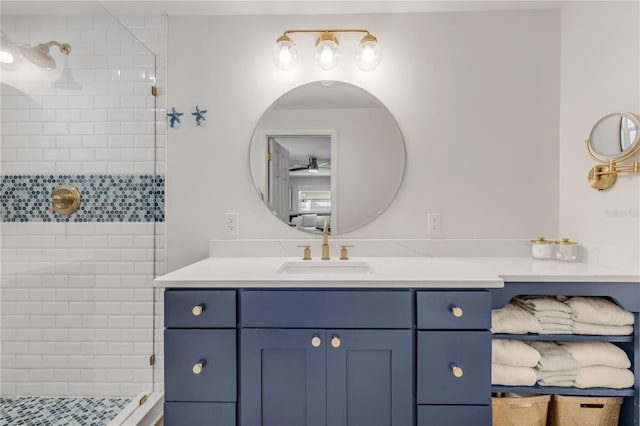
(327,151)
(615,137)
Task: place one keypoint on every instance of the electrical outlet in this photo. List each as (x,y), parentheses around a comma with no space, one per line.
(433,220)
(231,223)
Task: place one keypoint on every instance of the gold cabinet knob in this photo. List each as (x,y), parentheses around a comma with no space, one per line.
(457,371)
(197,368)
(316,341)
(197,310)
(335,342)
(456,311)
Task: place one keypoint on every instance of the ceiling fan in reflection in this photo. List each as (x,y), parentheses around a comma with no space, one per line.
(312,166)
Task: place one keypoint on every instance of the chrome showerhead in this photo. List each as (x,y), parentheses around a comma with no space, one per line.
(39,54)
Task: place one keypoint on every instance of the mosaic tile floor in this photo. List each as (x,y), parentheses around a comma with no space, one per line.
(38,411)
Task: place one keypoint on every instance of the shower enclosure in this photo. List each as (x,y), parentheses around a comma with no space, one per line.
(78,312)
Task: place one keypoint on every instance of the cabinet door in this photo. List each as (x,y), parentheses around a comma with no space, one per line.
(283,378)
(369,378)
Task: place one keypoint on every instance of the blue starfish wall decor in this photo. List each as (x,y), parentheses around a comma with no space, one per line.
(174,116)
(199,114)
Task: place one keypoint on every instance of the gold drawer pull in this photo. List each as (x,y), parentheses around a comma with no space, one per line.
(197,368)
(335,342)
(456,311)
(316,341)
(457,371)
(197,310)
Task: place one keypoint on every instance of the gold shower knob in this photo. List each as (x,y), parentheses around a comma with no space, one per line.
(64,199)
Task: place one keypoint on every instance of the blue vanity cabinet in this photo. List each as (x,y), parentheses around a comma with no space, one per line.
(453,358)
(349,365)
(200,358)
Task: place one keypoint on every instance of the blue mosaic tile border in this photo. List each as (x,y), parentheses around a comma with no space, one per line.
(34,410)
(105,198)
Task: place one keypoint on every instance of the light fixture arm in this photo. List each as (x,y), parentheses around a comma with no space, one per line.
(348,30)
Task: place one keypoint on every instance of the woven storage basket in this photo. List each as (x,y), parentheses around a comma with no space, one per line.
(520,411)
(584,411)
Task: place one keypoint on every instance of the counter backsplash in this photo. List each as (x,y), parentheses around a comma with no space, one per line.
(610,256)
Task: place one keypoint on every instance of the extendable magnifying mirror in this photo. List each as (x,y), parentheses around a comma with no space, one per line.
(613,139)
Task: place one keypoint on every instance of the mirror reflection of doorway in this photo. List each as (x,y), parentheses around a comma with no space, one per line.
(300,169)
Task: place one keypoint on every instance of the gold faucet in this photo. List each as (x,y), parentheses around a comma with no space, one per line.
(325,241)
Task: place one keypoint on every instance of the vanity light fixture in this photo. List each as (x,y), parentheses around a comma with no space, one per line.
(285,54)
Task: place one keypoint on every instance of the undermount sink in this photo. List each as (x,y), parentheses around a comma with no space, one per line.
(325,267)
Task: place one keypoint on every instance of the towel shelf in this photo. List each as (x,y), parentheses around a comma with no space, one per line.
(560,390)
(564,337)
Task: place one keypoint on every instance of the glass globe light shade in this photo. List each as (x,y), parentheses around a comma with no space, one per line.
(327,55)
(368,56)
(285,54)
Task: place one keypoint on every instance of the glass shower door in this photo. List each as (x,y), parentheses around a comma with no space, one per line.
(77,303)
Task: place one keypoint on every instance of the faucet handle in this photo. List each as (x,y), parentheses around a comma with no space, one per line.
(307,252)
(344,252)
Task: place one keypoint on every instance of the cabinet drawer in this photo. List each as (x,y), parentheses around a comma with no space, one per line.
(443,310)
(454,415)
(325,309)
(215,350)
(216,308)
(437,355)
(199,413)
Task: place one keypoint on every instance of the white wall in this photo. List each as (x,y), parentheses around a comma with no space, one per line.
(476,96)
(600,74)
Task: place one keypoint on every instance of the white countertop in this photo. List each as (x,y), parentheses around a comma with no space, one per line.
(390,272)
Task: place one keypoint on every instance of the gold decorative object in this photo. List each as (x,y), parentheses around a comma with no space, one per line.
(316,341)
(197,368)
(613,139)
(64,199)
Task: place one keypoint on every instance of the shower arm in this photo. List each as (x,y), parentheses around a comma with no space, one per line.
(64,47)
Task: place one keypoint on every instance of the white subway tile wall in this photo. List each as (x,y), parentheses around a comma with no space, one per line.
(96,105)
(76,299)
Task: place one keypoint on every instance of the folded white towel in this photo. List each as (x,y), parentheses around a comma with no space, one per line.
(601,376)
(601,329)
(514,353)
(542,303)
(550,330)
(559,383)
(554,320)
(597,353)
(556,376)
(509,375)
(598,310)
(513,319)
(553,357)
